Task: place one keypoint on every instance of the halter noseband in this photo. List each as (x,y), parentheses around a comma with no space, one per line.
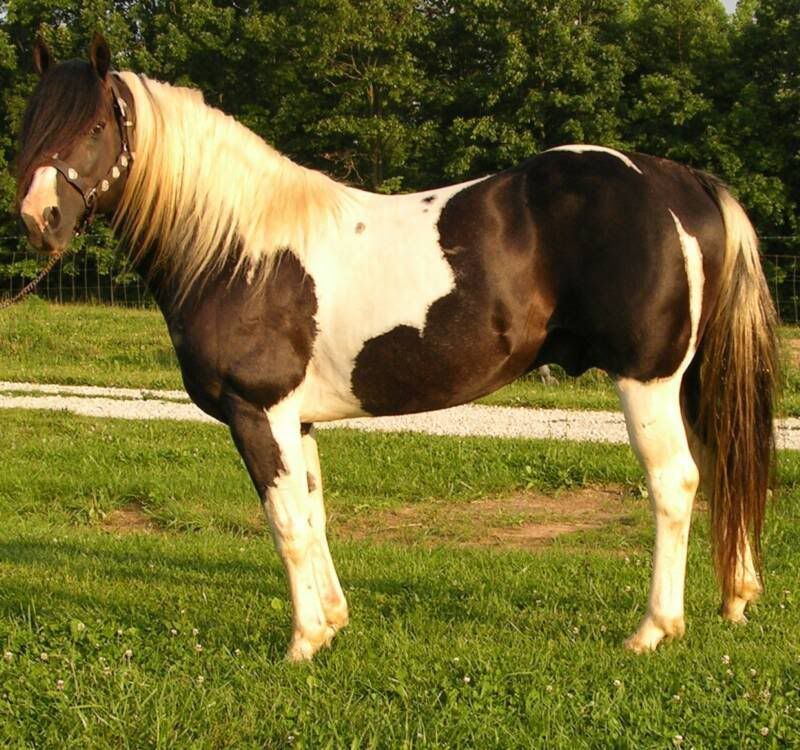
(125,122)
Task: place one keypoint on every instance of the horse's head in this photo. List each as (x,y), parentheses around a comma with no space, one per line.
(73,157)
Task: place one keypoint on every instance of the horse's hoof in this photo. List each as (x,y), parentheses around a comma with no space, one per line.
(337,619)
(733,610)
(303,648)
(652,631)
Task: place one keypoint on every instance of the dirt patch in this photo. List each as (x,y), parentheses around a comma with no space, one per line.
(130,519)
(522,521)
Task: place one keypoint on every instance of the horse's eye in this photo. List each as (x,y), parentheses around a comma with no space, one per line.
(97,129)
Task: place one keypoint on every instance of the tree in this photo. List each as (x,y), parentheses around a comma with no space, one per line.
(522,75)
(360,95)
(765,121)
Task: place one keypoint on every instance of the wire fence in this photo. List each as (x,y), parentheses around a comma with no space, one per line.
(82,278)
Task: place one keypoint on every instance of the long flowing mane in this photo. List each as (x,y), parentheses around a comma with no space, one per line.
(204,191)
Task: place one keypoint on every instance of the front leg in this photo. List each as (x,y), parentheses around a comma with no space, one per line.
(269,441)
(333,601)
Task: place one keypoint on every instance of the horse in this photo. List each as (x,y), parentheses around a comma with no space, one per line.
(292,299)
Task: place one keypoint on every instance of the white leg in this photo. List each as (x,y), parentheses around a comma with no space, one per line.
(747,587)
(289,512)
(657,435)
(333,601)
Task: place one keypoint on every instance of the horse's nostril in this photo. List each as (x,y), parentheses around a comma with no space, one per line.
(32,229)
(52,218)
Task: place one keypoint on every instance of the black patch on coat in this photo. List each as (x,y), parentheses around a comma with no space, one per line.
(250,340)
(429,199)
(252,434)
(242,348)
(571,259)
(476,337)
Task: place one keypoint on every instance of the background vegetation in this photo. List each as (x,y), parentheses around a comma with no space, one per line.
(397,95)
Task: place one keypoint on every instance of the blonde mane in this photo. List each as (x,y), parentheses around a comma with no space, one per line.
(204,191)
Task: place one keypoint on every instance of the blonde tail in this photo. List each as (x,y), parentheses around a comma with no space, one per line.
(738,382)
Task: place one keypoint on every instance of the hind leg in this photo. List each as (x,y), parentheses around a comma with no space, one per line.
(746,589)
(747,586)
(657,436)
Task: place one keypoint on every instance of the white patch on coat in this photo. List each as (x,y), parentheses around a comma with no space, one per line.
(286,504)
(41,194)
(580,149)
(369,282)
(658,437)
(693,263)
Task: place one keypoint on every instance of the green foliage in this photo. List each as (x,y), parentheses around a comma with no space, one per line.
(402,95)
(767,113)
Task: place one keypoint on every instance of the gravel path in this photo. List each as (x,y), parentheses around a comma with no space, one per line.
(491,421)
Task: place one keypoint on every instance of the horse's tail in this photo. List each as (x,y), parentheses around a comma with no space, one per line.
(738,365)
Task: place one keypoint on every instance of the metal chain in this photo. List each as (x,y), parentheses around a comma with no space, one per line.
(31,285)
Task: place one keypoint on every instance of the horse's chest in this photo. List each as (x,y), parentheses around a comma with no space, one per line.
(254,342)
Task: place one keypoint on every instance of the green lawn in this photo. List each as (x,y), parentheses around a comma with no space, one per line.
(448,647)
(86,344)
(99,345)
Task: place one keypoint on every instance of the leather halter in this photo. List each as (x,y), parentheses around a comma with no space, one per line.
(124,118)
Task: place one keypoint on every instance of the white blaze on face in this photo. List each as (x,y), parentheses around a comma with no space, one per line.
(41,195)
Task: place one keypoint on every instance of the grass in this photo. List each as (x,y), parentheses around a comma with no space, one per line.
(591,391)
(99,345)
(86,344)
(447,647)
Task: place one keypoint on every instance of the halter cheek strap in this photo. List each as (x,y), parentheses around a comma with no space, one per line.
(89,192)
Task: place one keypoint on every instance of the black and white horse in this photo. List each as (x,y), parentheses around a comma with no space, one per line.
(292,299)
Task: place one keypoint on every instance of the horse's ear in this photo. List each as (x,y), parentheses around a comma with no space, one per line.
(100,55)
(42,59)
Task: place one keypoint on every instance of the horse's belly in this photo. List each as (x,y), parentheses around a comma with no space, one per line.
(465,348)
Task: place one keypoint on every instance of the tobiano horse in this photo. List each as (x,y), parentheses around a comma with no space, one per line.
(292,299)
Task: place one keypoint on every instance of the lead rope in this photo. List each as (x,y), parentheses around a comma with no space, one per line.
(31,285)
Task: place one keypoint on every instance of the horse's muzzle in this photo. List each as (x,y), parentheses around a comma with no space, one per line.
(44,231)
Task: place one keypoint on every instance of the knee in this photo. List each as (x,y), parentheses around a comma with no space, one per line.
(687,477)
(292,533)
(293,544)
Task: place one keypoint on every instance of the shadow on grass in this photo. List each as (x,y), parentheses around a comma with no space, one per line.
(88,574)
